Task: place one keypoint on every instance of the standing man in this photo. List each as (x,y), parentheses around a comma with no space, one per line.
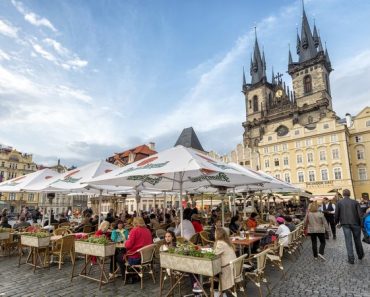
(348,215)
(328,209)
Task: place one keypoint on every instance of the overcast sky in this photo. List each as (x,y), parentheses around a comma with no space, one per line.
(81,80)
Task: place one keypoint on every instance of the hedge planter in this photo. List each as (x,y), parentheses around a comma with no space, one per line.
(4,235)
(196,265)
(94,249)
(34,241)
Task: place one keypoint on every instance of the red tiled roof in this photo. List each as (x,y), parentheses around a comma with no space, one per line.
(142,150)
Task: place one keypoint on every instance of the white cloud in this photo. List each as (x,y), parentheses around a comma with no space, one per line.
(43,53)
(33,18)
(56,46)
(81,95)
(8,29)
(4,56)
(77,63)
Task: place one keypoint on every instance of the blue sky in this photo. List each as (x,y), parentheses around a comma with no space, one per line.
(80,80)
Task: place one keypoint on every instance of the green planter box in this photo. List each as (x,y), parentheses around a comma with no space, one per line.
(94,249)
(196,265)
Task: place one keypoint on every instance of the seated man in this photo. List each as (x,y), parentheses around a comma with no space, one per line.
(62,218)
(21,224)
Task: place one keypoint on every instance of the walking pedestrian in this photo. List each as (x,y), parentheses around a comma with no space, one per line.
(348,215)
(316,225)
(328,209)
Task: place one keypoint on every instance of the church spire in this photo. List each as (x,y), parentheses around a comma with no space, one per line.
(307,46)
(316,38)
(327,56)
(290,57)
(244,81)
(258,65)
(298,43)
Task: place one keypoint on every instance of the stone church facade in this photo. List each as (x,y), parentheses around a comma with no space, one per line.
(295,135)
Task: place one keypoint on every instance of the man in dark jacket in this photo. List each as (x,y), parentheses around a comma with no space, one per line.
(348,215)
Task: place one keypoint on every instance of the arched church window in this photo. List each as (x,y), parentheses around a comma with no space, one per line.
(307,84)
(255,103)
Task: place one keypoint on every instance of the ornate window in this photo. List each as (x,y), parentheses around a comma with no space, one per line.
(307,82)
(255,103)
(322,156)
(311,176)
(335,154)
(287,177)
(324,174)
(300,177)
(362,174)
(338,173)
(360,154)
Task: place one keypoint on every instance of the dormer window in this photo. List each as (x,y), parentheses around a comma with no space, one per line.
(307,82)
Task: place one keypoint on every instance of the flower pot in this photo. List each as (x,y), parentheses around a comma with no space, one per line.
(4,235)
(94,249)
(197,265)
(34,241)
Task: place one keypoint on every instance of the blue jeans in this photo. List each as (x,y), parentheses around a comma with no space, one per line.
(355,231)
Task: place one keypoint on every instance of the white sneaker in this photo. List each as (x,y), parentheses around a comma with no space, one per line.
(322,257)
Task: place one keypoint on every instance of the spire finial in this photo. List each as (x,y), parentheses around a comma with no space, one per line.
(255,32)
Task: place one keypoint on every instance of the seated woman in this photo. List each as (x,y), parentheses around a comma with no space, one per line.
(103,229)
(21,224)
(140,236)
(225,248)
(119,236)
(234,225)
(169,241)
(251,221)
(283,231)
(289,223)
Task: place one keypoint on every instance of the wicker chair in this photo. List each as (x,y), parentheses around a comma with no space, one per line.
(62,231)
(146,264)
(237,275)
(87,229)
(64,246)
(160,233)
(275,255)
(64,225)
(257,275)
(204,236)
(194,239)
(180,239)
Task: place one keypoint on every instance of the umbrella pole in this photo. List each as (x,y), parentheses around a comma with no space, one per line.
(245,206)
(181,210)
(223,211)
(165,203)
(99,207)
(234,208)
(202,203)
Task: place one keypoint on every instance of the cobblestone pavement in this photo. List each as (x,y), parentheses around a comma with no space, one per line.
(305,277)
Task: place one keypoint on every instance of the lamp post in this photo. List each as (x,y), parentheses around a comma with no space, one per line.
(50,197)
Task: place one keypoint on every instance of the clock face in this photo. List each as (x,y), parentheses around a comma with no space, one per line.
(279,93)
(282,130)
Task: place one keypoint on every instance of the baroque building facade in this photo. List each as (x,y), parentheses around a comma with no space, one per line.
(13,164)
(294,134)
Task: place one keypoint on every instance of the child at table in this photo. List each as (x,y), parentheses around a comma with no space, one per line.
(225,248)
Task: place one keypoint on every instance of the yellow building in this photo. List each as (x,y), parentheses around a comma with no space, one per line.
(14,164)
(295,135)
(359,146)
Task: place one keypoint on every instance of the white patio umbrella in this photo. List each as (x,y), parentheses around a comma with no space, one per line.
(73,181)
(176,169)
(18,184)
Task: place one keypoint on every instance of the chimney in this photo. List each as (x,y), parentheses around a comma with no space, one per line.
(349,121)
(151,145)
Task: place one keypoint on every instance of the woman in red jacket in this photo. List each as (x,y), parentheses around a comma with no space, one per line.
(139,237)
(195,220)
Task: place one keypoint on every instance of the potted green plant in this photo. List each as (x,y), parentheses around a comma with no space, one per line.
(192,259)
(36,239)
(4,233)
(98,246)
